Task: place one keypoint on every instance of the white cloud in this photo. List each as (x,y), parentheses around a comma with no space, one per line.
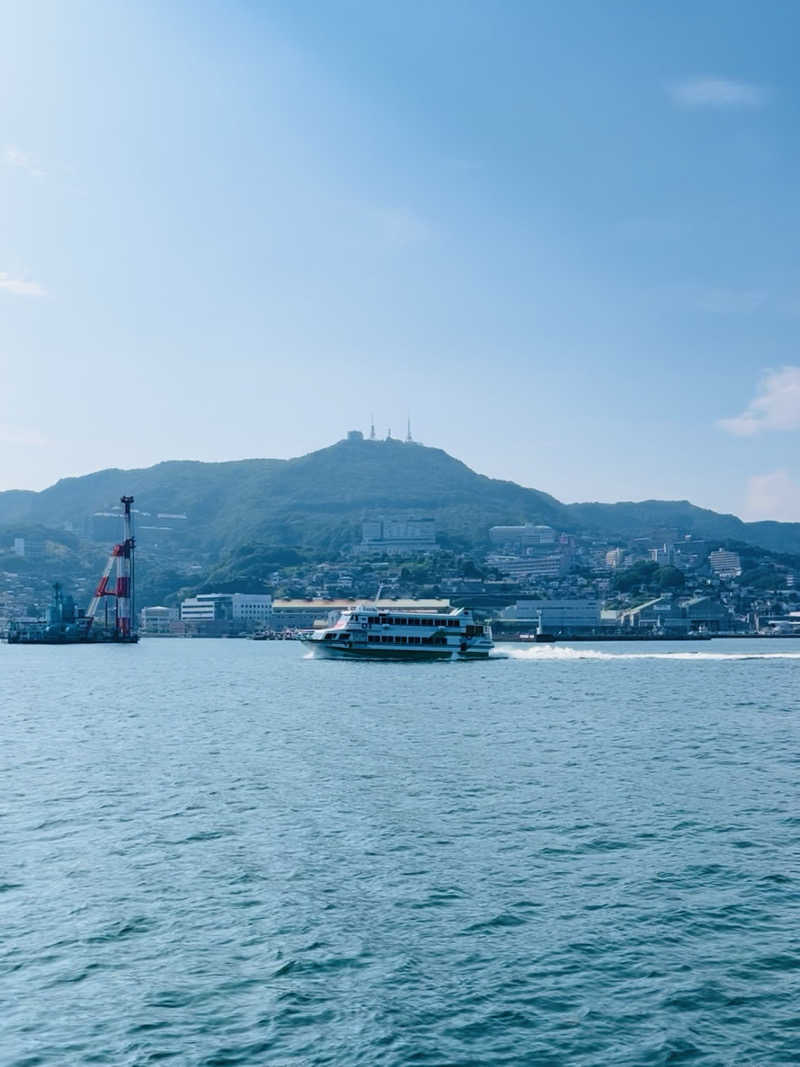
(776,405)
(773,496)
(15,157)
(716,93)
(21,287)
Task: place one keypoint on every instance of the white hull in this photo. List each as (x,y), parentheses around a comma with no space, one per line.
(408,654)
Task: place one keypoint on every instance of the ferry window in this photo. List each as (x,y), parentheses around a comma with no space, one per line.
(386,640)
(373,637)
(452,622)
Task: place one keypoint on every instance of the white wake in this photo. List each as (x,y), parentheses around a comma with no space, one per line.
(556,652)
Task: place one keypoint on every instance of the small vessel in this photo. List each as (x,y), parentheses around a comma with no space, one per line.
(540,635)
(367,632)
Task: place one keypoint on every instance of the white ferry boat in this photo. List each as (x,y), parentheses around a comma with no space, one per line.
(366,632)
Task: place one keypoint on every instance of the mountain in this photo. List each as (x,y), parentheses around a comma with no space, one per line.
(639,519)
(316,501)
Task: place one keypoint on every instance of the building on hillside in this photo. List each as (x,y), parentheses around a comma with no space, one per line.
(524,536)
(615,558)
(689,554)
(724,563)
(557,616)
(397,536)
(549,565)
(661,555)
(30,547)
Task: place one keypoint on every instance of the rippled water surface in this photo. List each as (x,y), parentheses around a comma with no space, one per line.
(222,852)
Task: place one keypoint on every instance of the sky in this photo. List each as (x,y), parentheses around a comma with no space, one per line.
(562,237)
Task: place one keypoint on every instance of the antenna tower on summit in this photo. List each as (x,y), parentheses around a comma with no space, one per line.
(409,438)
(372,427)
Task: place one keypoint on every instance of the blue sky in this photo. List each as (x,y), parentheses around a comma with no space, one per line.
(563,236)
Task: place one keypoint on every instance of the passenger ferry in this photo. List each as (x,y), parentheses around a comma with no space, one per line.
(367,632)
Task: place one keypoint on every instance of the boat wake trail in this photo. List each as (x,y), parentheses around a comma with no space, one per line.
(549,652)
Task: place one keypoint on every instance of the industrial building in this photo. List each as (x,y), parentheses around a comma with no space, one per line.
(662,613)
(557,616)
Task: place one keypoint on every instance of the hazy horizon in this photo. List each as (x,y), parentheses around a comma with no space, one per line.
(560,238)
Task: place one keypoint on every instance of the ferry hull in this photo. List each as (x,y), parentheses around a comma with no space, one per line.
(324,650)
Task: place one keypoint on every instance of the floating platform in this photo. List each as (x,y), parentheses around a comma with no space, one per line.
(42,633)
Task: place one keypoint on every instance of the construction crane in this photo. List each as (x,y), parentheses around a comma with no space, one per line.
(122,590)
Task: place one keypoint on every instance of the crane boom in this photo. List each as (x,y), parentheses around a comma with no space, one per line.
(122,589)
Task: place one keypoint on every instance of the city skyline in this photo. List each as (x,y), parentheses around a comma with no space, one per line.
(561,239)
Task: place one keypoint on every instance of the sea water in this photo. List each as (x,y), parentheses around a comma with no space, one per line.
(224,852)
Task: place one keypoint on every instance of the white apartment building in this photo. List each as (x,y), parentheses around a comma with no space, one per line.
(725,564)
(252,608)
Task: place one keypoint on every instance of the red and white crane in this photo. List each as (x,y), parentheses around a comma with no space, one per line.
(122,589)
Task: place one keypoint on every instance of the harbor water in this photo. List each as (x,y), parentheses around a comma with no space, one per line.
(226,852)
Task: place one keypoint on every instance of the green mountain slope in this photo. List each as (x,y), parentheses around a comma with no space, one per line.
(317,501)
(631,519)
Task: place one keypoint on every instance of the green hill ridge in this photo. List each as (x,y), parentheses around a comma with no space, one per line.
(317,501)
